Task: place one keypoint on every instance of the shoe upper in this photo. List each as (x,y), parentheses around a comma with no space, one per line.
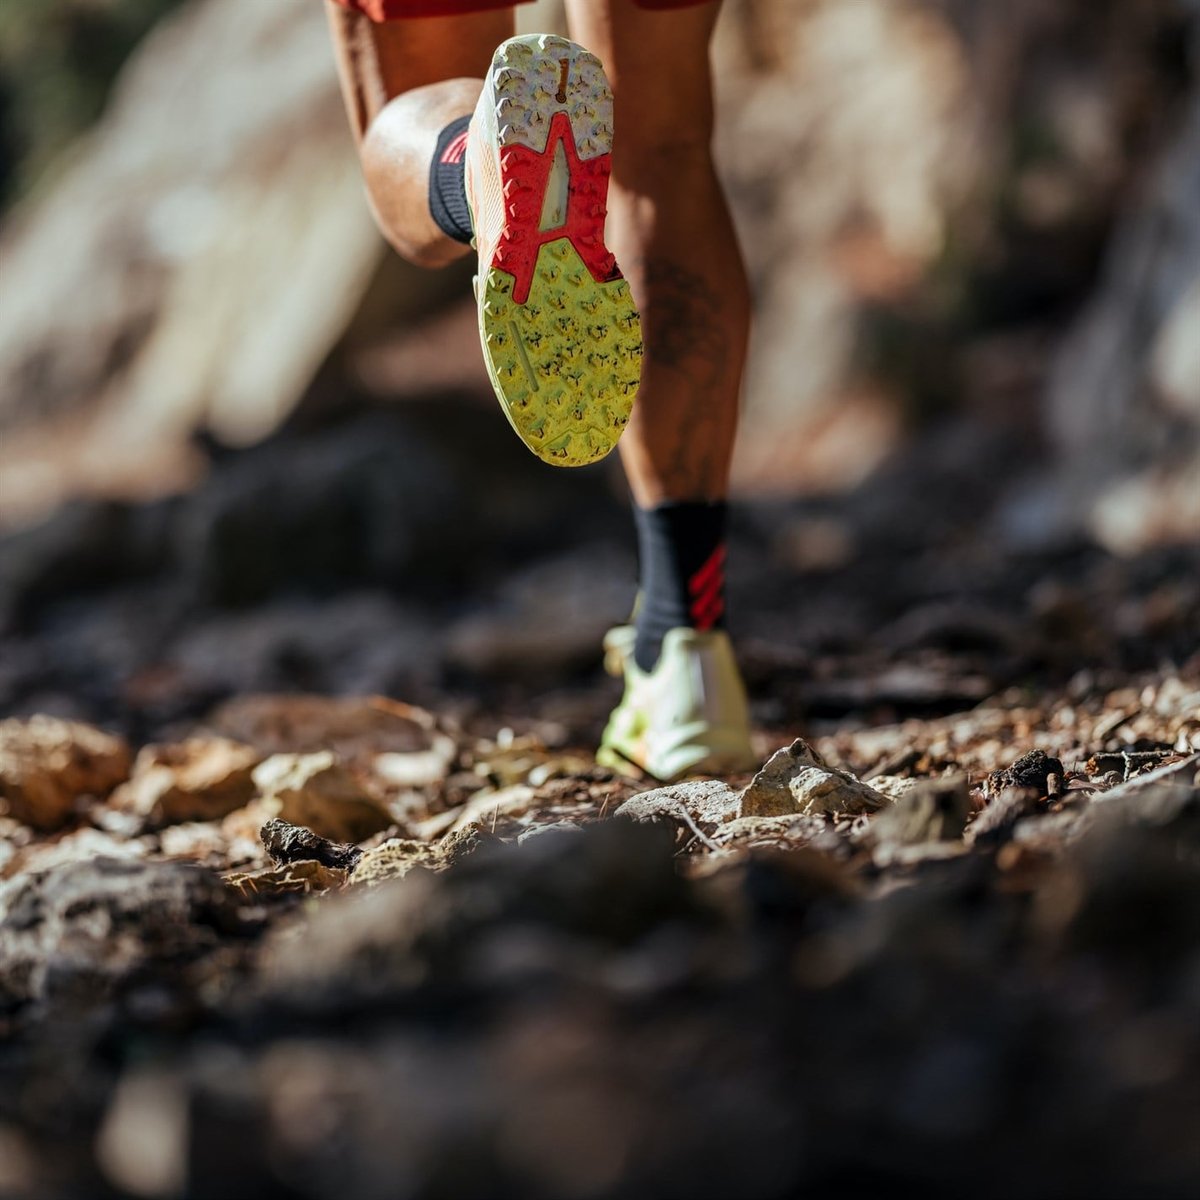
(688,715)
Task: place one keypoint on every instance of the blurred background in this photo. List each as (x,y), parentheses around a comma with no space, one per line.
(243,447)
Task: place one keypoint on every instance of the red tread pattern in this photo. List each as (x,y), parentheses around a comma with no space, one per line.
(524,174)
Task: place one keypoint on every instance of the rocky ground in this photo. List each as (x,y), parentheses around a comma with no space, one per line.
(266,932)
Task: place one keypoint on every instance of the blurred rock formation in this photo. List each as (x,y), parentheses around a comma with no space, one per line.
(193,266)
(1124,401)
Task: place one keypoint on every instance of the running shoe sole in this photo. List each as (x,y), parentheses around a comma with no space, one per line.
(561,335)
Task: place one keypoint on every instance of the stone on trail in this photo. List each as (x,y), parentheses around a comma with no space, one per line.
(394,858)
(47,764)
(1033,770)
(700,806)
(318,792)
(293,843)
(200,779)
(797,779)
(304,877)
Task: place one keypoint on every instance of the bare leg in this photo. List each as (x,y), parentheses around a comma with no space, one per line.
(672,235)
(403,82)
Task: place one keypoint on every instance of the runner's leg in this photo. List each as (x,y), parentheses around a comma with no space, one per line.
(672,234)
(403,82)
(670,228)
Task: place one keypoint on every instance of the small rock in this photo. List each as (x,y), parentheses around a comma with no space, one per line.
(306,876)
(316,791)
(392,859)
(936,810)
(200,779)
(1032,770)
(797,779)
(46,764)
(293,843)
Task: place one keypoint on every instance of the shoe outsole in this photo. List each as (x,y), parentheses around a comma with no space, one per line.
(561,334)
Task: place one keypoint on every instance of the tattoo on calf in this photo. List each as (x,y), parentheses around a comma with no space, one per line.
(683,321)
(684,331)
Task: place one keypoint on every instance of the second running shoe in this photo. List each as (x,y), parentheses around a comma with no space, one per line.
(561,336)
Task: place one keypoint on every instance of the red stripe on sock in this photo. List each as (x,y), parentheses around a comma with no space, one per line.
(455,149)
(709,573)
(707,612)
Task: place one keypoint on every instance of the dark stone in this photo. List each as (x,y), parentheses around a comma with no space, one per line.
(1032,770)
(288,843)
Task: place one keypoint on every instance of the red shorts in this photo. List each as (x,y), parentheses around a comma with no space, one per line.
(394,10)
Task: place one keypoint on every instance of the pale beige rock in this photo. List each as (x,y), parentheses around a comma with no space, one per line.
(392,859)
(318,792)
(199,779)
(305,876)
(701,806)
(797,779)
(396,857)
(244,825)
(46,764)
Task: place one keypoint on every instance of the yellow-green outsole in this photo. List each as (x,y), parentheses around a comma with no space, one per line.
(566,363)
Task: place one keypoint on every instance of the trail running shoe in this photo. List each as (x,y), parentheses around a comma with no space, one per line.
(686,717)
(561,336)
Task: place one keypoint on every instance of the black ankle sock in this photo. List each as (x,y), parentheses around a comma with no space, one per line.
(681,547)
(447,186)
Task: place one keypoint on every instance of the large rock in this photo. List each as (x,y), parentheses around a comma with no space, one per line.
(47,764)
(73,934)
